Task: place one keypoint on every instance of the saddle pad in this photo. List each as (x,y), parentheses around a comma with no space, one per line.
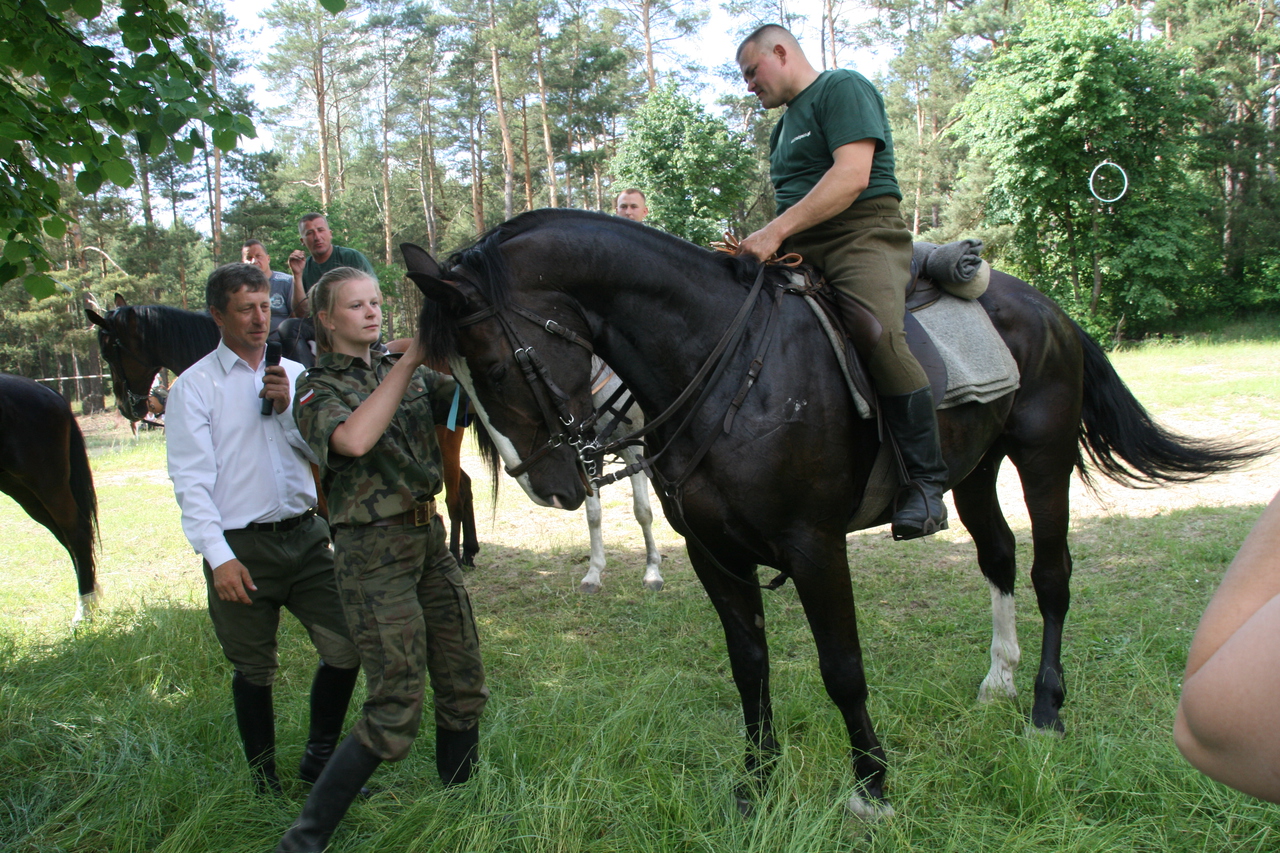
(980,367)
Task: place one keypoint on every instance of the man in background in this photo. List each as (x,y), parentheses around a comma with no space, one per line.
(631,204)
(288,299)
(321,255)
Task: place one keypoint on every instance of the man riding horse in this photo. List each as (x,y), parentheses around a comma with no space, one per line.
(832,167)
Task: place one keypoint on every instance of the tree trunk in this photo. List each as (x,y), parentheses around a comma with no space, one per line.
(319,83)
(546,125)
(524,142)
(477,177)
(508,150)
(646,28)
(215,209)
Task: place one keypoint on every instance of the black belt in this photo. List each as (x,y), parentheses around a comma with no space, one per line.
(278,526)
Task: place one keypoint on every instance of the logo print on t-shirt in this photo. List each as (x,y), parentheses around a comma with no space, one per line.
(796,139)
(277,302)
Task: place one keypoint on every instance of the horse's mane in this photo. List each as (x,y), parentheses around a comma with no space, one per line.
(183,336)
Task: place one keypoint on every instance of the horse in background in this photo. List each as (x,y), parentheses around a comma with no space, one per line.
(44,466)
(137,341)
(605,385)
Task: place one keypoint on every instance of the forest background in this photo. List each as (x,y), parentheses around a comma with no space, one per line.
(430,122)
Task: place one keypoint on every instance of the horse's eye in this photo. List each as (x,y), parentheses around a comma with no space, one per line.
(497,373)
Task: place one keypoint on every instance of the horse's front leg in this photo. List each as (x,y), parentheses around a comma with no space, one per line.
(738,602)
(591,580)
(644,515)
(820,572)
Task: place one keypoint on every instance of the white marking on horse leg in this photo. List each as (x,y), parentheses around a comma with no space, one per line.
(644,514)
(1005,652)
(506,449)
(85,605)
(869,810)
(591,580)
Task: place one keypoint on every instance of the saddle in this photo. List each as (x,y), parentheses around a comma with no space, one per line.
(956,269)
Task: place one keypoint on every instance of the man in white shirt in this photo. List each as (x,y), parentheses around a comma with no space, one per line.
(244,485)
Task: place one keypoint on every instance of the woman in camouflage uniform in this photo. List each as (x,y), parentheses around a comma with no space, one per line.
(370,418)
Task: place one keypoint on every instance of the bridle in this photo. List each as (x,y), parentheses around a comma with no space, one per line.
(137,402)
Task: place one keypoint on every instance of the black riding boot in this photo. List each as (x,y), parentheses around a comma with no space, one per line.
(349,768)
(330,695)
(456,754)
(255,717)
(912,420)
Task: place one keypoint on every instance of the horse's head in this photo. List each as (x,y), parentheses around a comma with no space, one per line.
(521,352)
(120,347)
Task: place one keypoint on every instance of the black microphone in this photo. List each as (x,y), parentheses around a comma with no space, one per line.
(273,359)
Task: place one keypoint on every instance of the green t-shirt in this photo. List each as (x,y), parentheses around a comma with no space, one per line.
(341,256)
(840,107)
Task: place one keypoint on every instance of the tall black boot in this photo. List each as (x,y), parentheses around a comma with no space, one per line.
(330,695)
(456,754)
(347,771)
(912,420)
(255,717)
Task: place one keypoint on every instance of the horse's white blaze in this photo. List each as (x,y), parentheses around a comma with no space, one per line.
(85,605)
(869,810)
(1005,652)
(506,449)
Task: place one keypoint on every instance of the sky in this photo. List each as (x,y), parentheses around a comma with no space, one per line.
(715,45)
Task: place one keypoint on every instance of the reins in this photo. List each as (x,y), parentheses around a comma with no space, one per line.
(563,429)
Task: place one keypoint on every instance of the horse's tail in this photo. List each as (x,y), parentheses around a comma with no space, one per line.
(86,499)
(1128,446)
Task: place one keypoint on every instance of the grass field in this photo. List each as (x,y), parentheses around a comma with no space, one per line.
(614,723)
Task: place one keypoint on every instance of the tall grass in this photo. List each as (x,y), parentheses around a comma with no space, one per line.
(614,723)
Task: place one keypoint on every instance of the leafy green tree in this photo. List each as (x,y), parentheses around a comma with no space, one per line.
(695,173)
(1069,92)
(67,103)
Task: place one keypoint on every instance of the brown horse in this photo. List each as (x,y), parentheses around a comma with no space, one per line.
(754,442)
(138,340)
(45,468)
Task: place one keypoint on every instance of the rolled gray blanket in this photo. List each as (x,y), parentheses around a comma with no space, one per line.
(956,267)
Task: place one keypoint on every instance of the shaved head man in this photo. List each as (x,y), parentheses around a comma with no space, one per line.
(832,167)
(631,205)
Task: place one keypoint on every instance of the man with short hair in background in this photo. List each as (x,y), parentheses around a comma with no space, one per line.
(288,299)
(248,499)
(321,255)
(631,204)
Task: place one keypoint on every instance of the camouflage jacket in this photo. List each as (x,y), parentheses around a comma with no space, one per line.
(403,468)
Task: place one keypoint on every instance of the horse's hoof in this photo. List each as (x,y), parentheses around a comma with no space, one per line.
(654,586)
(869,810)
(589,588)
(1055,730)
(745,807)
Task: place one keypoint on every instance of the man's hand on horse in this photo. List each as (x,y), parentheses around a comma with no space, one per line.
(232,582)
(761,244)
(275,387)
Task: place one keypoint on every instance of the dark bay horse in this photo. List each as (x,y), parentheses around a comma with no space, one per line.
(138,340)
(772,473)
(45,468)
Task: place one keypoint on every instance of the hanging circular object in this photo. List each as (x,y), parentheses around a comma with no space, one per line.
(1093,176)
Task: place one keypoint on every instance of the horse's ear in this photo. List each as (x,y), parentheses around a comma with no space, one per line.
(446,293)
(95,318)
(423,271)
(416,259)
(120,303)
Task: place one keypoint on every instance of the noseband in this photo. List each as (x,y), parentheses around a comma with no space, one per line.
(136,401)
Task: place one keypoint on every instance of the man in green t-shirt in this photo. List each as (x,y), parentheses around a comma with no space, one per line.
(831,163)
(321,255)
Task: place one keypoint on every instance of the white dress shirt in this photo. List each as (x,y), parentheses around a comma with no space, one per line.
(231,465)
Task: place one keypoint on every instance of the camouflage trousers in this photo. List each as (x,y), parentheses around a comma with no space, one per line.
(410,618)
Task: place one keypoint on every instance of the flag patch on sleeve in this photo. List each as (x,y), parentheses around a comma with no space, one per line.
(306,398)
